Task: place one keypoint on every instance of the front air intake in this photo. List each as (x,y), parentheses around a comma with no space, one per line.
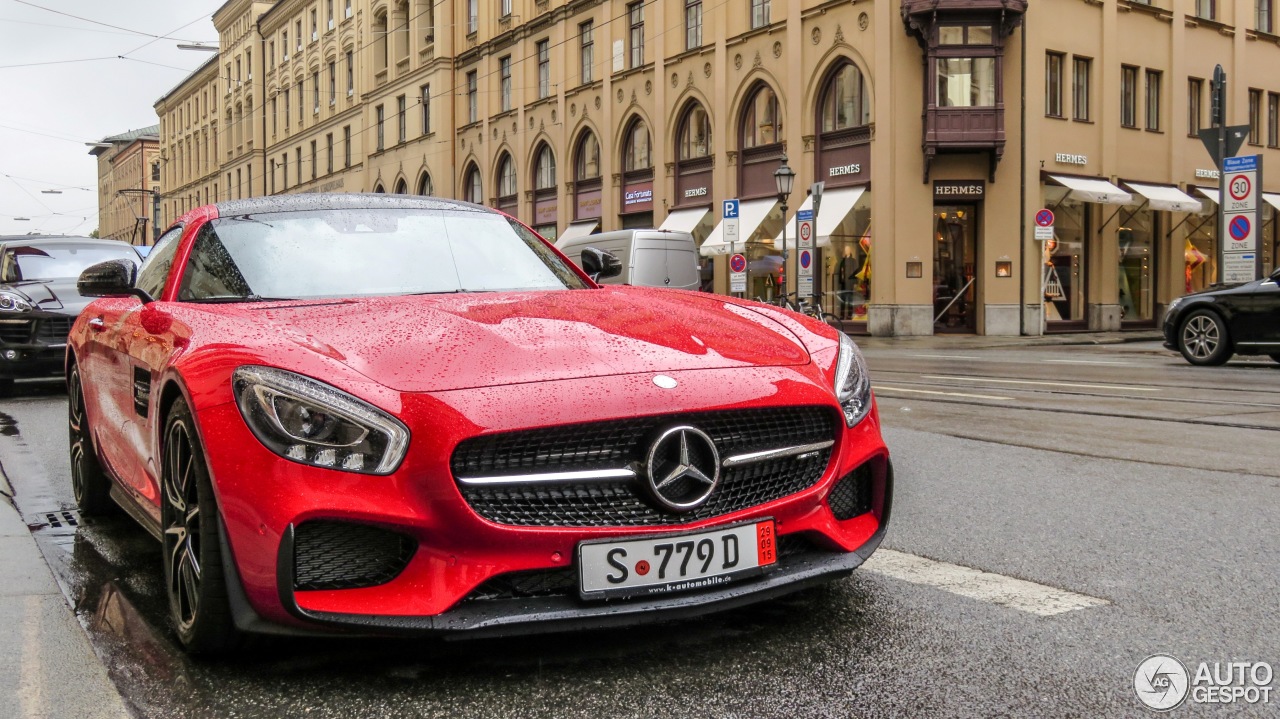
(851,497)
(342,555)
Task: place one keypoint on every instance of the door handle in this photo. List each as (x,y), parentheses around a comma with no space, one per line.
(97,325)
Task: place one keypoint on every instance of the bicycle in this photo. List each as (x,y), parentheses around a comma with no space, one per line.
(802,305)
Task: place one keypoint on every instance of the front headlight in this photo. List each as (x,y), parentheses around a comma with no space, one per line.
(853,385)
(313,423)
(1173,305)
(13,302)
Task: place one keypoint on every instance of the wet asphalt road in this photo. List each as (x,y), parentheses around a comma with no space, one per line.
(1091,469)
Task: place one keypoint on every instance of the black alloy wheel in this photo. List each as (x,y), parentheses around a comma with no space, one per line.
(89,482)
(193,574)
(1203,339)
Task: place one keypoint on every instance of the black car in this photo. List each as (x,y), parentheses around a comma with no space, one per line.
(1208,327)
(39,301)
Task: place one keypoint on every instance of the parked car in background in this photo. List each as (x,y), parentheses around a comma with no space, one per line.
(389,414)
(39,301)
(1208,327)
(650,258)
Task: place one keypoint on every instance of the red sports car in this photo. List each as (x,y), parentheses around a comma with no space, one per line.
(374,414)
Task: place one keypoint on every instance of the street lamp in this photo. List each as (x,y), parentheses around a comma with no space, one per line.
(785,178)
(197,47)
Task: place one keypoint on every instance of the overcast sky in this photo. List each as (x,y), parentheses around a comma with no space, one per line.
(48,112)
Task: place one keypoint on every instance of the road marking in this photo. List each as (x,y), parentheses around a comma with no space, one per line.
(882,388)
(1037,382)
(1121,364)
(948,357)
(976,584)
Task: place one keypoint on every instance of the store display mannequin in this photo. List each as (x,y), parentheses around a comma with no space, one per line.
(846,277)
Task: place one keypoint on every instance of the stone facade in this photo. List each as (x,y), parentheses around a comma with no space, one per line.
(127,177)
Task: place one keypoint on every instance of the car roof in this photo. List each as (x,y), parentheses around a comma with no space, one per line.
(343,201)
(39,240)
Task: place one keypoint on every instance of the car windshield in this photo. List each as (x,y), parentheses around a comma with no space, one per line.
(60,261)
(353,253)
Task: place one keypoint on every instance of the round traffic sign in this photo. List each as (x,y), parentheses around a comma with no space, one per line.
(806,259)
(738,263)
(1239,228)
(806,231)
(1044,218)
(1239,187)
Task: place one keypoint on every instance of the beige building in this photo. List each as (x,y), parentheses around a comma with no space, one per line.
(128,178)
(592,115)
(189,125)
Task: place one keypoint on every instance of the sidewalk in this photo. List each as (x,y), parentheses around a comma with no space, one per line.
(962,342)
(47,668)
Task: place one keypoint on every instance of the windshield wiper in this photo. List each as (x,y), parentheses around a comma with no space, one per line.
(447,292)
(226,299)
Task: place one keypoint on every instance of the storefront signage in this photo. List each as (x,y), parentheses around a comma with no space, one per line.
(544,212)
(637,197)
(959,189)
(1066,158)
(1206,174)
(589,205)
(695,192)
(842,170)
(329,186)
(842,165)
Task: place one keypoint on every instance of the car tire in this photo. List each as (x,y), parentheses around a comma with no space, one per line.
(89,482)
(1203,339)
(192,557)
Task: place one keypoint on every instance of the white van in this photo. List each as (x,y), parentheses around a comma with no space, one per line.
(650,258)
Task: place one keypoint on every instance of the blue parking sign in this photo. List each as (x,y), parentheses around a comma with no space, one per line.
(730,209)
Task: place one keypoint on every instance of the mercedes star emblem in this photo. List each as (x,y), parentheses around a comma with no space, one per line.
(683,469)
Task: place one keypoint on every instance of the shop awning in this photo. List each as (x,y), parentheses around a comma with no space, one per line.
(1163,197)
(751,215)
(1272,199)
(835,207)
(1088,189)
(1211,194)
(576,230)
(686,220)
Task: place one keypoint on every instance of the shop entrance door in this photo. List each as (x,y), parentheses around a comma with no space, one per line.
(955,256)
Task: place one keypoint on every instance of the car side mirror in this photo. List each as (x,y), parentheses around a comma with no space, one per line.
(600,265)
(113,278)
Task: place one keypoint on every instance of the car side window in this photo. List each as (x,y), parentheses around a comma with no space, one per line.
(155,269)
(211,271)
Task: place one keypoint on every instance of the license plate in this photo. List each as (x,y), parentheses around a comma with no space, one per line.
(675,562)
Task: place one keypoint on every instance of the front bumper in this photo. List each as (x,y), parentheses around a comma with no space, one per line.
(33,345)
(264,498)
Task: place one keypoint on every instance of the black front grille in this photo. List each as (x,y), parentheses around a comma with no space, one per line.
(851,497)
(15,331)
(564,582)
(54,330)
(602,445)
(341,555)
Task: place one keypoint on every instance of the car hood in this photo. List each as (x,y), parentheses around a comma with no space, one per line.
(458,341)
(51,295)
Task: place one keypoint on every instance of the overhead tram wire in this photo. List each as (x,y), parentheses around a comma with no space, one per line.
(98,22)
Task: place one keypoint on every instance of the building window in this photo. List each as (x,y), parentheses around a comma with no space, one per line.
(544,176)
(695,133)
(636,154)
(1255,117)
(346,9)
(271,54)
(328,151)
(379,116)
(315,26)
(759,13)
(424,185)
(155,172)
(635,16)
(1082,68)
(692,24)
(237,71)
(275,114)
(329,13)
(587,50)
(1206,9)
(1273,122)
(506,180)
(1195,95)
(299,157)
(301,102)
(1129,96)
(315,85)
(333,83)
(351,75)
(966,81)
(472,186)
(346,146)
(504,8)
(426,109)
(845,103)
(315,164)
(544,68)
(504,74)
(762,124)
(1262,15)
(297,31)
(587,160)
(284,45)
(272,187)
(473,107)
(1153,99)
(402,125)
(473,16)
(286,108)
(1053,84)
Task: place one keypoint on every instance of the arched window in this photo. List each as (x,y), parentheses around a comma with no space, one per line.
(844,100)
(762,119)
(377,189)
(402,188)
(695,133)
(472,186)
(635,153)
(424,185)
(587,158)
(506,177)
(544,176)
(380,45)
